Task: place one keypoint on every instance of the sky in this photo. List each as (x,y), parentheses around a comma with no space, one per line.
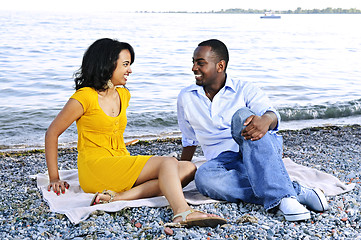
(172,5)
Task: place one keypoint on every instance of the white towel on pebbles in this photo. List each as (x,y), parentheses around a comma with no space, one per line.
(314,178)
(75,202)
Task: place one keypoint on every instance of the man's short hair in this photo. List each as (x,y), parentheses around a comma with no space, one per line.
(219,48)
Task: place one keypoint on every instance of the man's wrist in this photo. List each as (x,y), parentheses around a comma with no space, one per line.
(272,120)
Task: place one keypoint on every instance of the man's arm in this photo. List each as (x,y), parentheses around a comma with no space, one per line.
(188,134)
(258,126)
(187,153)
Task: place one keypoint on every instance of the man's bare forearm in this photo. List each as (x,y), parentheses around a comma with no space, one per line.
(187,153)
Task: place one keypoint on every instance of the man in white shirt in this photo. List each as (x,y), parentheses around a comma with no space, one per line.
(235,124)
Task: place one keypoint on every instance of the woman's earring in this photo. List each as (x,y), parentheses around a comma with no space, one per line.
(110,84)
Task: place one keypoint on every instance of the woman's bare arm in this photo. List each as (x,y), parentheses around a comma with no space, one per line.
(72,111)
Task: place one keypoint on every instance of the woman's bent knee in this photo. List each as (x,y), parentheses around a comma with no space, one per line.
(188,166)
(170,161)
(164,160)
(187,171)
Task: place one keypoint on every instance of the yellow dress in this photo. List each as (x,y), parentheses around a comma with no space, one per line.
(103,160)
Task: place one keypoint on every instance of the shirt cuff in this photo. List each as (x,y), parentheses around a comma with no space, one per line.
(188,142)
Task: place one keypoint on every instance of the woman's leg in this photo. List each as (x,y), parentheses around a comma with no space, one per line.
(163,176)
(147,184)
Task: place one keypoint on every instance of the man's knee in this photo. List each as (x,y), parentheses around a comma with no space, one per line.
(240,116)
(237,124)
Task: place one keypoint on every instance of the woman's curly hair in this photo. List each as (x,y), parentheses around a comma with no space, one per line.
(99,63)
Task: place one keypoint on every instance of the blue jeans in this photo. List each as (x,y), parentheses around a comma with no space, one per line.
(255,174)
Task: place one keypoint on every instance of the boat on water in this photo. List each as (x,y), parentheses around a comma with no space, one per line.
(270,15)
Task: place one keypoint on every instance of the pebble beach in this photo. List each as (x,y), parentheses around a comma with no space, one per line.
(333,149)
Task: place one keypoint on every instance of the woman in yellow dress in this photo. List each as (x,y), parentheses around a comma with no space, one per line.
(104,163)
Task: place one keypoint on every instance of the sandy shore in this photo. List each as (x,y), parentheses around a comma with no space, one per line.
(335,150)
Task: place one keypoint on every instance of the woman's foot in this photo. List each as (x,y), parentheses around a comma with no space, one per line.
(106,196)
(101,198)
(197,218)
(194,215)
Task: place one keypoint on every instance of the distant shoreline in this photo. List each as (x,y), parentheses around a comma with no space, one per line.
(223,11)
(259,11)
(251,13)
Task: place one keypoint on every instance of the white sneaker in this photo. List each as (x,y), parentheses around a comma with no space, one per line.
(292,210)
(314,199)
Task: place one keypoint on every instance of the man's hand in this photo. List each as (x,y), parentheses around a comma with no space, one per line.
(258,126)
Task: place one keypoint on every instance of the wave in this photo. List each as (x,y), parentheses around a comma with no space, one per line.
(336,110)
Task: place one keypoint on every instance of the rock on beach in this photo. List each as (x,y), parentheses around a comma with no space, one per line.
(332,149)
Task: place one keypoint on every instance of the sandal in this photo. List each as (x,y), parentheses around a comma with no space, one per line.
(105,192)
(200,222)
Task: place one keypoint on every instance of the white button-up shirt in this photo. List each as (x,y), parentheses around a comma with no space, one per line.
(208,123)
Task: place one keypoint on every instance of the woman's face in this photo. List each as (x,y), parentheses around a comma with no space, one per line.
(123,69)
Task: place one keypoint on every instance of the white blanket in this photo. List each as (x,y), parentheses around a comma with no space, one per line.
(75,202)
(314,178)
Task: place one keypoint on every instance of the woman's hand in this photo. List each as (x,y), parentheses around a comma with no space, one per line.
(58,186)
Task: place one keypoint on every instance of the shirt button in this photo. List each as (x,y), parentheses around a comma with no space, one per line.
(116,122)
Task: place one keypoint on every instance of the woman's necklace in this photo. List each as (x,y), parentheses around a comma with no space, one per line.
(113,109)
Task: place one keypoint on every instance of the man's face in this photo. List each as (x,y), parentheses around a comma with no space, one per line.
(204,66)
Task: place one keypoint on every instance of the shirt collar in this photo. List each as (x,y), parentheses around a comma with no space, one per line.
(194,87)
(229,85)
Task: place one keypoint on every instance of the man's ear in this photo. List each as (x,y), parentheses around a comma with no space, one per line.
(221,66)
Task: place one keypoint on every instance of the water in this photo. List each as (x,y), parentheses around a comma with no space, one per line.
(309,65)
